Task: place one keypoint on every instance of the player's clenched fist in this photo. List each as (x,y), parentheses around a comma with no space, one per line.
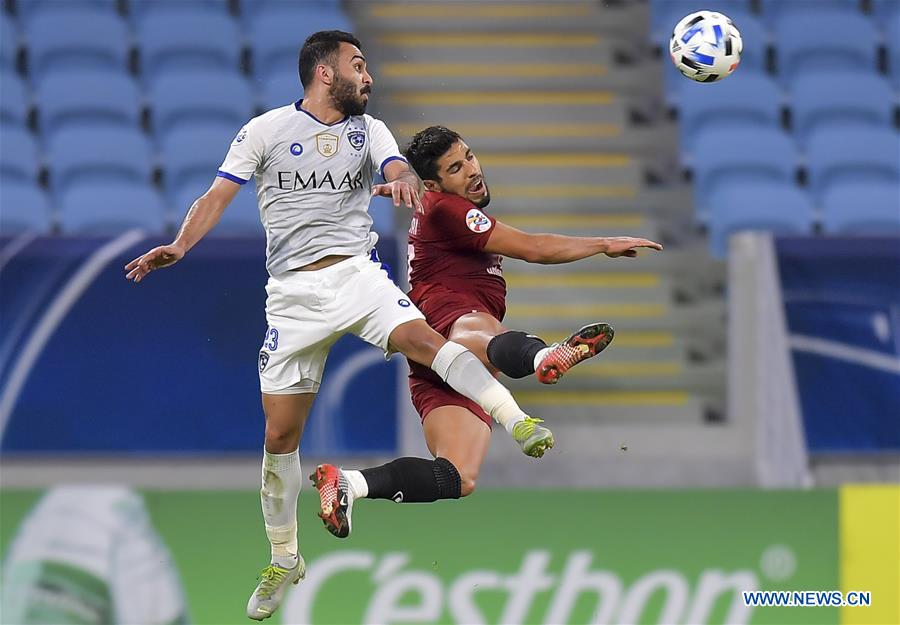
(626,246)
(157,258)
(400,190)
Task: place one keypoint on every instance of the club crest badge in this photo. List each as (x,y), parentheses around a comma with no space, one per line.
(357,139)
(327,144)
(241,135)
(477,221)
(263,361)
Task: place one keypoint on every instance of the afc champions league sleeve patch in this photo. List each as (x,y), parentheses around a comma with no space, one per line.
(477,221)
(241,135)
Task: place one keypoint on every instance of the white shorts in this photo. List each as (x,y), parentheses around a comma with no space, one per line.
(308,311)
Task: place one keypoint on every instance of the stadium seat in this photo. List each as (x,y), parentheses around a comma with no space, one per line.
(191,96)
(139,10)
(13,99)
(69,38)
(111,206)
(18,153)
(25,207)
(861,207)
(9,43)
(192,38)
(28,9)
(845,95)
(773,10)
(194,152)
(893,48)
(839,39)
(90,95)
(732,153)
(885,9)
(251,9)
(241,218)
(745,97)
(278,89)
(775,206)
(852,152)
(278,30)
(98,152)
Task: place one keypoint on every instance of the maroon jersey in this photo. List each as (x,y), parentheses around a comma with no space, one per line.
(450,274)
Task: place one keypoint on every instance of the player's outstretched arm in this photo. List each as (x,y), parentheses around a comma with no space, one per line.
(402,185)
(551,249)
(200,219)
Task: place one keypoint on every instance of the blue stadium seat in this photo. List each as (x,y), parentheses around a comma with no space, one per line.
(89,95)
(852,153)
(240,218)
(817,39)
(13,99)
(665,14)
(773,10)
(278,31)
(28,9)
(885,9)
(18,153)
(194,153)
(251,9)
(728,154)
(140,10)
(192,96)
(25,207)
(824,97)
(279,88)
(861,207)
(111,206)
(893,38)
(745,97)
(69,38)
(775,206)
(98,152)
(9,43)
(188,39)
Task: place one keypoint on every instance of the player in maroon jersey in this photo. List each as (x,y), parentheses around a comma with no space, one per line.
(455,257)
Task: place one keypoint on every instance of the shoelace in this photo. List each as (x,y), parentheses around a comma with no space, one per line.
(526,428)
(271,577)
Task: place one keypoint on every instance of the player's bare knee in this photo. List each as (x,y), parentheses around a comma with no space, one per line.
(281,439)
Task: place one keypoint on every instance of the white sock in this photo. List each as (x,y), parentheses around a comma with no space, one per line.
(460,368)
(358,484)
(540,356)
(281,480)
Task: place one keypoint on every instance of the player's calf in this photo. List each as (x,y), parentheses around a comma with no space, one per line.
(404,480)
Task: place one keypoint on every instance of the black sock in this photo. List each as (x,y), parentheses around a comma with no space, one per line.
(513,353)
(414,480)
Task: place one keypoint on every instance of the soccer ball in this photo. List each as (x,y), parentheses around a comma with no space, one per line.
(706,46)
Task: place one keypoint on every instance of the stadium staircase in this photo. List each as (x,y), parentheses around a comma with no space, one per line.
(562,102)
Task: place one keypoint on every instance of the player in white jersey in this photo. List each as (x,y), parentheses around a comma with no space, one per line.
(314,163)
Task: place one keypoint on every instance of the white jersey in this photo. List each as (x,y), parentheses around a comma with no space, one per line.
(313,182)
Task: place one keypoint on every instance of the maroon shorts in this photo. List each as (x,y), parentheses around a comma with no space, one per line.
(428,395)
(442,308)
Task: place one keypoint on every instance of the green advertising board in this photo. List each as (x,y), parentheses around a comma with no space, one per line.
(508,556)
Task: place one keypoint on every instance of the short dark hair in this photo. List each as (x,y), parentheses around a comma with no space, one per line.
(426,147)
(320,48)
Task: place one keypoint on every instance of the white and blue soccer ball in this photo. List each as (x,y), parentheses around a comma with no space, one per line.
(706,46)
